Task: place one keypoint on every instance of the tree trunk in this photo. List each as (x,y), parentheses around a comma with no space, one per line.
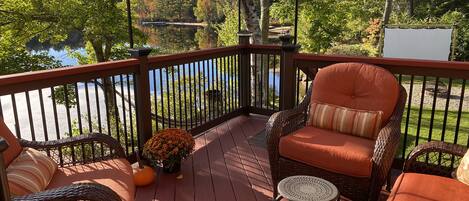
(102,55)
(387,11)
(265,20)
(252,20)
(410,7)
(264,25)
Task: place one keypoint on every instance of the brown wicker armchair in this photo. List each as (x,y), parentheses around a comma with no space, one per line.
(435,158)
(283,123)
(108,150)
(428,174)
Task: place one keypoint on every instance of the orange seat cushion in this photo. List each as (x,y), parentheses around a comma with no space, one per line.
(115,174)
(424,187)
(357,86)
(335,152)
(14,148)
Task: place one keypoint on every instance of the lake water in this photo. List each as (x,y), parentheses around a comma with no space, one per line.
(167,39)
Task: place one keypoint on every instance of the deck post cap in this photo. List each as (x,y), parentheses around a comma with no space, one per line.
(140,52)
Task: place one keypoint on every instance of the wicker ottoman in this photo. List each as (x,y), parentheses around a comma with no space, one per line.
(306,188)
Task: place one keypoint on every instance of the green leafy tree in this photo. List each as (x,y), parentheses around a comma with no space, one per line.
(175,10)
(102,24)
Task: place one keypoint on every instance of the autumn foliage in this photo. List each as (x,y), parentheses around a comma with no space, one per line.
(169,145)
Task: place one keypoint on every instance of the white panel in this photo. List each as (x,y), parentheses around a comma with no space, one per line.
(433,44)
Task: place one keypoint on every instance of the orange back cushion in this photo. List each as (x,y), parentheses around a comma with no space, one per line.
(359,123)
(357,86)
(30,172)
(14,148)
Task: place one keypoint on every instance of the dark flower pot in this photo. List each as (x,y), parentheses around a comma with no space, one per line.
(171,167)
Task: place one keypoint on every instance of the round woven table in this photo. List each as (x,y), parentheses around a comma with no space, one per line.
(306,188)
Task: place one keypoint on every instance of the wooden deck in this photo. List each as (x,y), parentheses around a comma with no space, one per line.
(229,164)
(224,167)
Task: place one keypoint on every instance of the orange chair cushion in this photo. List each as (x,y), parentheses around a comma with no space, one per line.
(360,123)
(424,187)
(30,172)
(335,152)
(14,148)
(115,174)
(357,86)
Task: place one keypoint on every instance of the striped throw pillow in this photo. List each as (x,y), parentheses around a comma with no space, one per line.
(30,172)
(360,123)
(462,173)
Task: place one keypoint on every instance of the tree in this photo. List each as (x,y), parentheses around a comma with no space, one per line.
(251,18)
(387,11)
(410,7)
(175,10)
(101,22)
(265,19)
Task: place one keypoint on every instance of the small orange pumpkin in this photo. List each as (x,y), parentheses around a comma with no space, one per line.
(143,175)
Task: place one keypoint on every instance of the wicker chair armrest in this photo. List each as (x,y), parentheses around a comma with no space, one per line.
(388,137)
(83,191)
(435,166)
(387,143)
(284,122)
(77,140)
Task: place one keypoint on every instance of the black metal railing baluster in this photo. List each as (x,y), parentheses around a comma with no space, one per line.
(56,121)
(124,118)
(162,98)
(175,119)
(43,117)
(88,112)
(419,121)
(80,126)
(407,119)
(445,116)
(98,111)
(168,97)
(458,118)
(185,88)
(274,94)
(30,116)
(1,108)
(202,93)
(116,109)
(155,99)
(69,121)
(129,97)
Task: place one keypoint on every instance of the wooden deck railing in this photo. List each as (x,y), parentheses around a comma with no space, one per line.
(133,98)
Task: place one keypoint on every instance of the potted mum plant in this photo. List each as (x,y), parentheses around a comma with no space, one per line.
(168,147)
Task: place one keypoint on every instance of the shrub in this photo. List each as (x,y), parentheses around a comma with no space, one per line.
(352,50)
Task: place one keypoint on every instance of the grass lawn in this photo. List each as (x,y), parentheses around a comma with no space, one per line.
(450,130)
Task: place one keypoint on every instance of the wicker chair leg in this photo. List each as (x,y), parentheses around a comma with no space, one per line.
(388,182)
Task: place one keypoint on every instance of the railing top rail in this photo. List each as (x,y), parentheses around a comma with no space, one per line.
(265,49)
(20,82)
(182,58)
(451,69)
(387,61)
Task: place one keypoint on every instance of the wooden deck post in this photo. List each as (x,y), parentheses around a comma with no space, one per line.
(287,73)
(245,71)
(142,96)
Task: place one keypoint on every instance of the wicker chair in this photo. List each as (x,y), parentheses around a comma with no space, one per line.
(434,162)
(283,123)
(110,153)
